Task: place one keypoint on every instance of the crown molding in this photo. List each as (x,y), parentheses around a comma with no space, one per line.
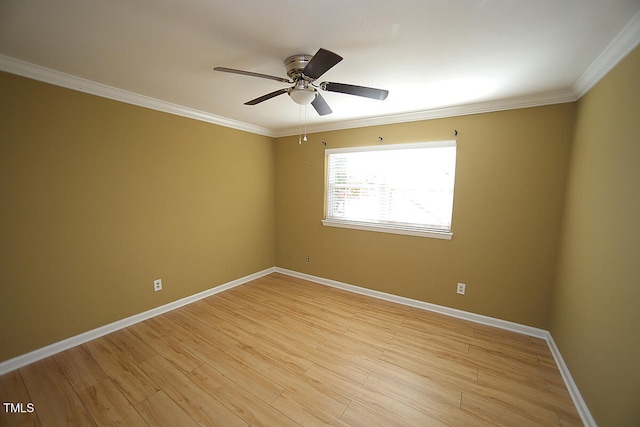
(47,75)
(536,100)
(616,51)
(627,40)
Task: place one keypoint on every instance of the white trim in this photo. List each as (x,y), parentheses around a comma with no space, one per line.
(376,224)
(82,338)
(391,147)
(47,75)
(615,52)
(618,49)
(465,315)
(384,228)
(578,401)
(66,344)
(536,100)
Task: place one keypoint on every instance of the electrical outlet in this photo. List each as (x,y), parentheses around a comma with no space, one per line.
(157,285)
(462,288)
(308,258)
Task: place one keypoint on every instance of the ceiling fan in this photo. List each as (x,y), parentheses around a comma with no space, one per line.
(303,70)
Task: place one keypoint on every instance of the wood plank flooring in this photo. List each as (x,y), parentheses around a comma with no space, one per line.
(280,351)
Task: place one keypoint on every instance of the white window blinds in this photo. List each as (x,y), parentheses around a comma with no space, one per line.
(399,187)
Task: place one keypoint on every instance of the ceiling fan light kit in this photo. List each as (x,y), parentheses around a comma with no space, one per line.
(303,70)
(302,94)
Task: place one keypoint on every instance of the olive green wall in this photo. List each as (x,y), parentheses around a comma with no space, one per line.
(99,198)
(595,318)
(510,175)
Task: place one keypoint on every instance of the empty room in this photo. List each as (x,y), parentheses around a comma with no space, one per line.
(297,213)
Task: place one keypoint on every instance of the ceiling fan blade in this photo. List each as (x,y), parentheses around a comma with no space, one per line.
(266,97)
(252,74)
(321,62)
(367,92)
(321,105)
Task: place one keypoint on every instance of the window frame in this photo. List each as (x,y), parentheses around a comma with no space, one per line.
(382,227)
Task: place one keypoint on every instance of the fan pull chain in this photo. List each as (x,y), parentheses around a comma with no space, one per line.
(300,138)
(305,123)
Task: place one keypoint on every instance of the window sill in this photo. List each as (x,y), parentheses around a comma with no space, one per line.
(434,234)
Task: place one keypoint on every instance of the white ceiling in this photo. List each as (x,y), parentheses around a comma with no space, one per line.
(436,58)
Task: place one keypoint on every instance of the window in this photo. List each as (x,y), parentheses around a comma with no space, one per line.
(403,188)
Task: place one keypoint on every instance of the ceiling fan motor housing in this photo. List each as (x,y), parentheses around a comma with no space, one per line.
(295,64)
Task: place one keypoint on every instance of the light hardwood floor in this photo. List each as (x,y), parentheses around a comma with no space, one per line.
(280,351)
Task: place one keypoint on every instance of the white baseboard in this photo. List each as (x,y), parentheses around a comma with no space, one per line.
(66,344)
(74,341)
(581,406)
(578,401)
(476,318)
